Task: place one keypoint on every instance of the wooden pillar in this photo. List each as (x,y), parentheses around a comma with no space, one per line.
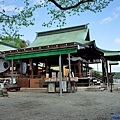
(86,64)
(103,72)
(105,64)
(107,74)
(36,68)
(79,68)
(62,68)
(110,68)
(12,73)
(49,70)
(46,66)
(75,71)
(31,67)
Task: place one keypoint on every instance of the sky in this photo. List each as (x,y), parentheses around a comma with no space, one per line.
(104,26)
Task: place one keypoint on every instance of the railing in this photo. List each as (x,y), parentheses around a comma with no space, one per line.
(84,74)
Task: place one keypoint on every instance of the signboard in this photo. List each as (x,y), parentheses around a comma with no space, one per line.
(51,87)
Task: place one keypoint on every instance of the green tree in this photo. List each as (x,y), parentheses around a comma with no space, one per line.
(17,42)
(11,22)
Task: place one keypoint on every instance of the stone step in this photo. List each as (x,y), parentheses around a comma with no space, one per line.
(95,88)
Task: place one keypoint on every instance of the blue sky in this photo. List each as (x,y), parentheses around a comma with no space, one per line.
(104,26)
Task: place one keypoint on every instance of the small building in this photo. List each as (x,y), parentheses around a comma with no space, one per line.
(4,65)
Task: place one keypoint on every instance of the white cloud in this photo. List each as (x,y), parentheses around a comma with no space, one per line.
(118,9)
(117,40)
(106,20)
(38,1)
(7,8)
(115,14)
(10,8)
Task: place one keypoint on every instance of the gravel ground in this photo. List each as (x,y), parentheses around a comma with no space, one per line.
(40,105)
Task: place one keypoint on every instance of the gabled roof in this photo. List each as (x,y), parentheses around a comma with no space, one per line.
(110,52)
(91,53)
(113,63)
(57,42)
(111,55)
(78,34)
(6,47)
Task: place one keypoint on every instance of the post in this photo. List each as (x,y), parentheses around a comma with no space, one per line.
(106,70)
(111,85)
(111,79)
(106,64)
(31,67)
(110,68)
(12,73)
(69,83)
(46,66)
(103,73)
(60,75)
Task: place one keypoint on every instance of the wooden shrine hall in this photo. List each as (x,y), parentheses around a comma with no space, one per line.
(56,55)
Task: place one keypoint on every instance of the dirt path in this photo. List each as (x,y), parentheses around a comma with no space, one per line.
(37,105)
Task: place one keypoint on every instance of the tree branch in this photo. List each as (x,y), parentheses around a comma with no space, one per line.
(70,7)
(5,15)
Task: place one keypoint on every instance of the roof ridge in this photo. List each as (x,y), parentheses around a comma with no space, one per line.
(62,30)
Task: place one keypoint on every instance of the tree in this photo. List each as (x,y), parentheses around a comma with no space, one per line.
(11,22)
(15,42)
(13,17)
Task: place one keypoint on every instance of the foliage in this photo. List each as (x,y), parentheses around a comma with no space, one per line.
(59,9)
(15,42)
(11,21)
(96,72)
(117,75)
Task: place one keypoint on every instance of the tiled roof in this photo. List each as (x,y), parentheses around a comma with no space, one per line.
(78,34)
(6,47)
